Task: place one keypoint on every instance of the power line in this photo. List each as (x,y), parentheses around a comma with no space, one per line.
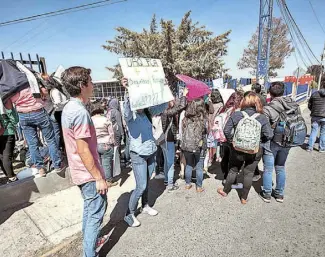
(312,7)
(61,12)
(28,33)
(299,32)
(286,20)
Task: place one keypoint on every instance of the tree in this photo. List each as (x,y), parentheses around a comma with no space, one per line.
(188,48)
(315,71)
(281,49)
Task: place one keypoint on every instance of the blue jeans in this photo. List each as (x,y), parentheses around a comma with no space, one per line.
(94,210)
(106,154)
(316,124)
(57,131)
(19,132)
(169,162)
(194,160)
(30,122)
(275,160)
(127,148)
(143,167)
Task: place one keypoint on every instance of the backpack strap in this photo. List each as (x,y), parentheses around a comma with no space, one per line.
(245,114)
(255,115)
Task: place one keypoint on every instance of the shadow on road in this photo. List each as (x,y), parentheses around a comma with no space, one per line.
(125,174)
(8,213)
(116,227)
(216,170)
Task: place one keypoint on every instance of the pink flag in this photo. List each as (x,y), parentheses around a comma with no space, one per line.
(196,88)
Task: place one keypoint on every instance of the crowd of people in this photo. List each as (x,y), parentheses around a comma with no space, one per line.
(237,132)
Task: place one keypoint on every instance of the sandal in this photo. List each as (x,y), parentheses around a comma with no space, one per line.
(200,189)
(101,242)
(221,192)
(243,201)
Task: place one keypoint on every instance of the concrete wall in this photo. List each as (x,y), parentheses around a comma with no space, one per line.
(29,189)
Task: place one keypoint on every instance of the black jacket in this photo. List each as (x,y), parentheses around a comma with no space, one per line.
(316,104)
(278,105)
(273,110)
(266,132)
(170,116)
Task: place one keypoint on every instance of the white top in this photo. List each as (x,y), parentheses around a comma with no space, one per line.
(57,97)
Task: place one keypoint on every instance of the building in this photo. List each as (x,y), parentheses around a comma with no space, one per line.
(108,89)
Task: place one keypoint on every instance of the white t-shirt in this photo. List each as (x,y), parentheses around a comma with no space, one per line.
(181,117)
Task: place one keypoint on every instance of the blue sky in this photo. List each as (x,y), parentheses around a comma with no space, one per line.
(76,38)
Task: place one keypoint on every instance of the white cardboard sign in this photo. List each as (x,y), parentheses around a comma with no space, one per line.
(146,80)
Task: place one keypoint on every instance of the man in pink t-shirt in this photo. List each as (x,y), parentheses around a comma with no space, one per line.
(81,147)
(32,116)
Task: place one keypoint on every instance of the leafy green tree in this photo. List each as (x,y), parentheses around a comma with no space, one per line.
(188,48)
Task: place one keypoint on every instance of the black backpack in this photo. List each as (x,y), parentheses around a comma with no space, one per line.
(291,129)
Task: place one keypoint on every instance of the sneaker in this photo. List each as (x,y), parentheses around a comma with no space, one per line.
(58,170)
(279,198)
(148,210)
(132,221)
(160,176)
(264,197)
(11,180)
(172,188)
(257,178)
(237,186)
(309,149)
(101,242)
(321,151)
(111,184)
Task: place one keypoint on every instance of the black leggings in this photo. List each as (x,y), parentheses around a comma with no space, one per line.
(225,160)
(7,146)
(236,161)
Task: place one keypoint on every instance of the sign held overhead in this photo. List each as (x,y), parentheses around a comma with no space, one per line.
(146,79)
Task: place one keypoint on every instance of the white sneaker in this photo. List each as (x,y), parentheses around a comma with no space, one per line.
(132,221)
(160,176)
(150,211)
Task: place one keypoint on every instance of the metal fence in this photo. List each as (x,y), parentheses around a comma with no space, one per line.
(108,89)
(36,64)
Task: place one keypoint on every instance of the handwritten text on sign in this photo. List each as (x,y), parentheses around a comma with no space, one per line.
(146,82)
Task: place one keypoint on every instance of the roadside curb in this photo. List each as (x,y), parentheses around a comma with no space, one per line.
(60,247)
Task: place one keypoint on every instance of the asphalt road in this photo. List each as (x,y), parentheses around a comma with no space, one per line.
(192,224)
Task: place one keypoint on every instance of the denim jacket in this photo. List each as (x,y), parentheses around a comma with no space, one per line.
(140,131)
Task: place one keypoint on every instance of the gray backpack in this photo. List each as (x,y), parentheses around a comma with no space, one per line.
(247,135)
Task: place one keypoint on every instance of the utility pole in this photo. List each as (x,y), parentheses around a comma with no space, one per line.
(264,41)
(321,67)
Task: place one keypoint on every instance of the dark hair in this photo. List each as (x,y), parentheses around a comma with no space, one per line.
(252,100)
(195,111)
(75,77)
(96,108)
(277,89)
(257,88)
(216,96)
(233,101)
